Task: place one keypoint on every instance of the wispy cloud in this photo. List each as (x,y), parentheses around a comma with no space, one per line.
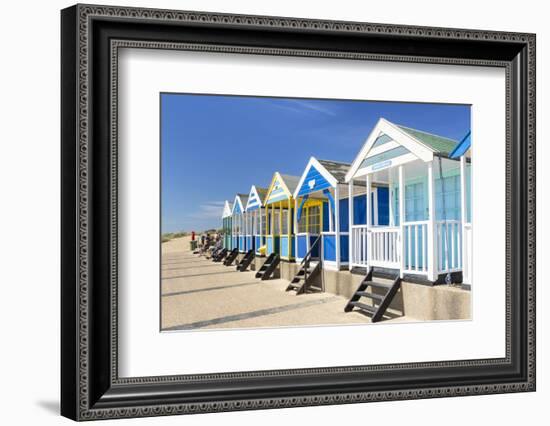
(302,106)
(209,210)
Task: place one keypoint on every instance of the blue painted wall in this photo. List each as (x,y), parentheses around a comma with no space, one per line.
(344,216)
(360,207)
(329,248)
(284,247)
(326,222)
(301,241)
(383,206)
(344,248)
(241,243)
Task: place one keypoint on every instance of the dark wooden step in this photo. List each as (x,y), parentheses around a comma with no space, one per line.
(302,281)
(268,267)
(231,257)
(383,300)
(364,307)
(378,284)
(373,296)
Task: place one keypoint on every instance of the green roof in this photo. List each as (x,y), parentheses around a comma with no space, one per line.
(437,143)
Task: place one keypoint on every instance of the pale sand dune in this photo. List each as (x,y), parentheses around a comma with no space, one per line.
(176,245)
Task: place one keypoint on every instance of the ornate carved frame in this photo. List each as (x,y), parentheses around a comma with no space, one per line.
(91,37)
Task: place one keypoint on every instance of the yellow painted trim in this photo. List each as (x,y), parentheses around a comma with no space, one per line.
(277,176)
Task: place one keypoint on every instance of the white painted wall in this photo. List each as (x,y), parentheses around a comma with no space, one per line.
(29,218)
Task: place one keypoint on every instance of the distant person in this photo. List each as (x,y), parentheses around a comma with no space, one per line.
(193,236)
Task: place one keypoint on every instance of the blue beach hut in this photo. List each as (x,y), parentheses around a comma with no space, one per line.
(322,218)
(255,219)
(238,221)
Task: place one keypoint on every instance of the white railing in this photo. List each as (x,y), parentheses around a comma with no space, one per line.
(358,255)
(449,245)
(467,261)
(385,246)
(415,236)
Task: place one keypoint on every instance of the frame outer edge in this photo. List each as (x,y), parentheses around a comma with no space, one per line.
(78,165)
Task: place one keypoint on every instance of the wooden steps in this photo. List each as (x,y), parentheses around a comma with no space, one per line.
(303,280)
(220,255)
(246,261)
(269,266)
(380,301)
(231,257)
(309,269)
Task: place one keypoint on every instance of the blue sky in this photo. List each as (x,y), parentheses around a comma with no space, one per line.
(216,146)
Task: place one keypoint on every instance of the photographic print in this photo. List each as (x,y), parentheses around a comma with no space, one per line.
(289,212)
(276,189)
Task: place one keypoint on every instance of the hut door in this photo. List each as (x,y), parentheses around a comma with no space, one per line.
(381,216)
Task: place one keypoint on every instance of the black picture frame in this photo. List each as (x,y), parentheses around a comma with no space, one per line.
(90,386)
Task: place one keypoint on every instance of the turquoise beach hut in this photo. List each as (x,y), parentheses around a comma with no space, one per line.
(463,152)
(226,225)
(427,209)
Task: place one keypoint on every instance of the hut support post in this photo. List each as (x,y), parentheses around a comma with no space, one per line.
(337,222)
(296,230)
(368,219)
(288,229)
(463,210)
(432,243)
(350,223)
(390,197)
(401,221)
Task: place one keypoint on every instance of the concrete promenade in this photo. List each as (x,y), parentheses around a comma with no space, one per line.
(200,294)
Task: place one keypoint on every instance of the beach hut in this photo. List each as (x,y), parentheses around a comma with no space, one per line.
(322,219)
(226,225)
(279,215)
(255,215)
(238,215)
(426,208)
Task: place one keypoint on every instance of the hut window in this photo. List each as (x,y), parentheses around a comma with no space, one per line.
(448,204)
(302,223)
(314,220)
(275,224)
(250,222)
(263,224)
(415,205)
(284,224)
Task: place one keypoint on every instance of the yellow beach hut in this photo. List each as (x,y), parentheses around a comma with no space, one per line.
(279,216)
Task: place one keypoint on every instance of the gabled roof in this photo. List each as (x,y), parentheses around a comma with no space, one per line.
(226,209)
(439,144)
(463,146)
(239,203)
(281,188)
(319,175)
(416,143)
(256,197)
